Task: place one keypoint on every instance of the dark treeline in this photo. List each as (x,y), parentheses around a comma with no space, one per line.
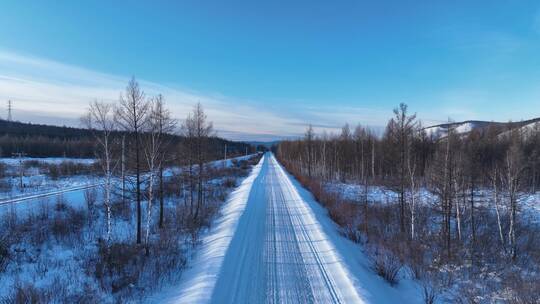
(37,140)
(478,180)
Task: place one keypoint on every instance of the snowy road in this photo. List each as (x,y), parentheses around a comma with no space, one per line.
(270,247)
(279,254)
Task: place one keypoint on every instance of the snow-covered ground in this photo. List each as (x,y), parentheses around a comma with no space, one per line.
(69,262)
(14,161)
(39,185)
(440,131)
(276,244)
(379,194)
(529,202)
(229,161)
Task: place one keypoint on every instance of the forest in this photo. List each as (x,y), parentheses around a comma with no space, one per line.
(37,140)
(455,212)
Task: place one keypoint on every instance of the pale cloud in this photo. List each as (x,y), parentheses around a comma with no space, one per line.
(42,89)
(45,91)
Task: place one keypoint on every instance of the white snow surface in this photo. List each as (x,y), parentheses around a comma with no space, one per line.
(275,244)
(529,203)
(14,161)
(442,131)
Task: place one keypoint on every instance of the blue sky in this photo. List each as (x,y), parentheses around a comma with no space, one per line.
(264,70)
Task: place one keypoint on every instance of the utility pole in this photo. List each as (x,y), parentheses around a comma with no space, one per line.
(225,152)
(20,155)
(9,117)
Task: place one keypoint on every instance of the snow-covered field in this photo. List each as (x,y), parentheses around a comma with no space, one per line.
(55,248)
(14,161)
(38,184)
(276,244)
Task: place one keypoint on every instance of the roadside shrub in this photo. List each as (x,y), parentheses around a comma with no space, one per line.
(387,265)
(429,292)
(4,252)
(61,204)
(68,224)
(53,172)
(5,185)
(28,293)
(121,208)
(3,170)
(244,164)
(118,265)
(69,168)
(229,182)
(90,197)
(32,163)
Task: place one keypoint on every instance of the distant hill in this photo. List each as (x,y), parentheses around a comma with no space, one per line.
(265,144)
(21,129)
(38,140)
(464,127)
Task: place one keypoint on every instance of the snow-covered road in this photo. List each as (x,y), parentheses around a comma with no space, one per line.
(279,253)
(270,247)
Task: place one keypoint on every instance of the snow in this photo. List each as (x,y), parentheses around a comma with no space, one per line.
(229,161)
(435,131)
(37,181)
(40,186)
(202,277)
(526,130)
(441,131)
(379,194)
(275,243)
(66,263)
(46,160)
(529,203)
(464,128)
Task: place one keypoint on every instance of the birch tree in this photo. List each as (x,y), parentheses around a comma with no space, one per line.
(514,167)
(153,156)
(99,119)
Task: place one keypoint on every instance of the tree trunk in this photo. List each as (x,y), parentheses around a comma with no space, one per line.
(161,195)
(138,181)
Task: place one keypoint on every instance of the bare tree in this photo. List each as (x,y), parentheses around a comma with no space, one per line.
(441,173)
(196,130)
(99,119)
(310,134)
(153,153)
(413,190)
(403,126)
(123,167)
(514,167)
(495,178)
(164,125)
(132,117)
